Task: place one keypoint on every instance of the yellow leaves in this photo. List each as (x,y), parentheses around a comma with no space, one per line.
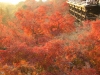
(23,62)
(0,19)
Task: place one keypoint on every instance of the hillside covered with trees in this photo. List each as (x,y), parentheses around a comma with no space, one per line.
(41,38)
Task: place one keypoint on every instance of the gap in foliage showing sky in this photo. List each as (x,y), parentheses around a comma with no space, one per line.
(14,2)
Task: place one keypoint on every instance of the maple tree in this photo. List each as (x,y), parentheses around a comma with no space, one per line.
(40,41)
(94,52)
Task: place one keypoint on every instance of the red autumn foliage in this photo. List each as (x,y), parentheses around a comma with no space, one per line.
(95,32)
(33,42)
(94,52)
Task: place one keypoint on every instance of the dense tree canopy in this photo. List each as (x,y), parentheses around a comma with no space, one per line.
(42,39)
